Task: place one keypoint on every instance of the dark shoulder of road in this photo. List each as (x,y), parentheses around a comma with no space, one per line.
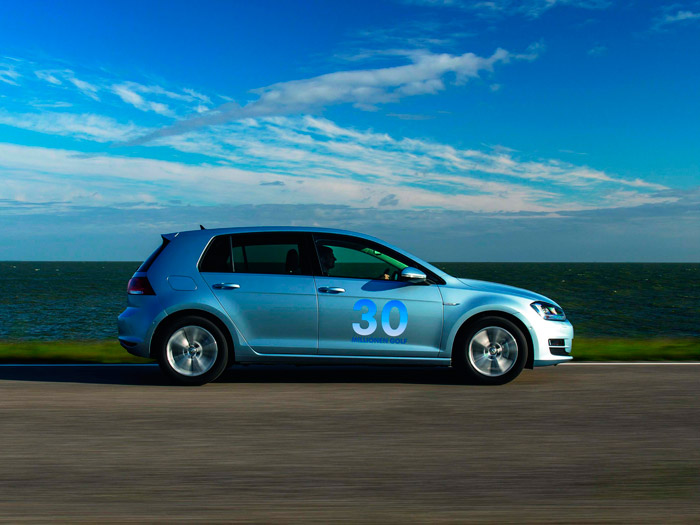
(321,444)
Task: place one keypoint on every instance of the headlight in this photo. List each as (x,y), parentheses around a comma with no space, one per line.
(549,311)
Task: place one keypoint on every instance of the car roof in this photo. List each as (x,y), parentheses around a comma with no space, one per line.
(254,229)
(260,229)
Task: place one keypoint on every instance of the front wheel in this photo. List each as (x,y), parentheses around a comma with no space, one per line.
(492,351)
(193,351)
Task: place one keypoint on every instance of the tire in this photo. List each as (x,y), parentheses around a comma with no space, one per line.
(193,351)
(490,351)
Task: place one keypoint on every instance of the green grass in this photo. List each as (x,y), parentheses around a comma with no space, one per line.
(585,349)
(657,349)
(66,352)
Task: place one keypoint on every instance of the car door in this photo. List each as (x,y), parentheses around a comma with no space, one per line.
(364,310)
(264,283)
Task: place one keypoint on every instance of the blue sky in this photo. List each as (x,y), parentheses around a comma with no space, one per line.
(543,130)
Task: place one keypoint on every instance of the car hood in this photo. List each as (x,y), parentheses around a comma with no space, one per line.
(486,286)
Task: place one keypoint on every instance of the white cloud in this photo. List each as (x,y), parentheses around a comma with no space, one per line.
(318,148)
(499,162)
(194,94)
(82,126)
(410,116)
(141,95)
(161,109)
(9,75)
(423,75)
(58,175)
(52,104)
(150,98)
(308,157)
(400,37)
(187,95)
(530,8)
(59,77)
(127,93)
(363,88)
(85,87)
(597,50)
(679,16)
(48,76)
(129,96)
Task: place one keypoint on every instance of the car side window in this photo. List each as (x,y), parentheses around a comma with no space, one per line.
(354,259)
(217,258)
(260,253)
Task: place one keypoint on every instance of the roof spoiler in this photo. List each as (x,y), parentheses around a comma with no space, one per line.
(171,236)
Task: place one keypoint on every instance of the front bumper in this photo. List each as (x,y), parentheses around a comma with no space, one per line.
(553,343)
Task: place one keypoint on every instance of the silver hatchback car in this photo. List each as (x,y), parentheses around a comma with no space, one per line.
(206,299)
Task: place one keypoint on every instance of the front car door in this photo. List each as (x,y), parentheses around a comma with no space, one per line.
(264,282)
(364,310)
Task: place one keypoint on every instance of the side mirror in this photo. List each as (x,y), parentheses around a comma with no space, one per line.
(412,275)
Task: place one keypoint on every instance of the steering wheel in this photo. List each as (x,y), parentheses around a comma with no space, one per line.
(393,275)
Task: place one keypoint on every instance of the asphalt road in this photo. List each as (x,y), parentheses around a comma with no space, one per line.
(311,444)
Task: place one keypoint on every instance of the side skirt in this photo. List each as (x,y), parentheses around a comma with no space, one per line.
(344,360)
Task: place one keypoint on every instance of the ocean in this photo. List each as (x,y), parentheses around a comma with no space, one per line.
(81,300)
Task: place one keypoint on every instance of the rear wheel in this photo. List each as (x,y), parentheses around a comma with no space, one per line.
(492,351)
(193,351)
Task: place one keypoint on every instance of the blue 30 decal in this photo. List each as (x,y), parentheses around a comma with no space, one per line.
(368,317)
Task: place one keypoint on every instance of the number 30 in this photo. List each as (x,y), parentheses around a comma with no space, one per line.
(368,317)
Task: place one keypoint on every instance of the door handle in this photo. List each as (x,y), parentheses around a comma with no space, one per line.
(225,286)
(326,289)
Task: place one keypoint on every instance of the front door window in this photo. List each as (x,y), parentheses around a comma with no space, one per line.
(346,258)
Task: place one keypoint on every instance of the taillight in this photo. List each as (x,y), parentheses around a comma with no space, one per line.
(139,286)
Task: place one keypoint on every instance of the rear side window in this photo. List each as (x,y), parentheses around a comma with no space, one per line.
(148,262)
(218,257)
(260,253)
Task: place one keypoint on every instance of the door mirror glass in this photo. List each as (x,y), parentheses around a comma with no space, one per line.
(412,275)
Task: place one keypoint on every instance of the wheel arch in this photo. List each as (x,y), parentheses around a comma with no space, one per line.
(163,324)
(505,315)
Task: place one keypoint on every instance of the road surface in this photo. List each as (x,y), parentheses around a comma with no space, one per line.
(357,444)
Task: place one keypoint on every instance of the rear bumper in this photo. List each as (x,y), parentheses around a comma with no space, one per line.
(136,325)
(133,347)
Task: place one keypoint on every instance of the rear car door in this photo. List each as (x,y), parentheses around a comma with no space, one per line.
(264,282)
(364,310)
